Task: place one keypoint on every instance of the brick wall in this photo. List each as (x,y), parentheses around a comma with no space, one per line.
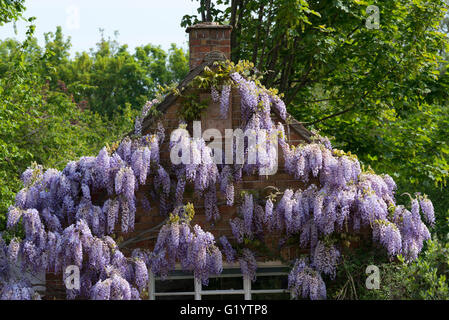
(208,37)
(255,183)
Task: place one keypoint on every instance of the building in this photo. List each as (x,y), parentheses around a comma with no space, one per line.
(208,44)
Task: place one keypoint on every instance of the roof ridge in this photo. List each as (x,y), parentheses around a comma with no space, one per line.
(209,61)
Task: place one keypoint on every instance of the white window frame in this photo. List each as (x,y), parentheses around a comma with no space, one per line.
(198,292)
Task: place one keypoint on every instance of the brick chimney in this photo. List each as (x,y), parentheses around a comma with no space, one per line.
(207,37)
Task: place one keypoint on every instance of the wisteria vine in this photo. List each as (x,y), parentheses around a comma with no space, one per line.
(65,224)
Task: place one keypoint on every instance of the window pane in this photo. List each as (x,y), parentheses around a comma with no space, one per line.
(270,296)
(224,284)
(175,297)
(223,297)
(175,285)
(270,282)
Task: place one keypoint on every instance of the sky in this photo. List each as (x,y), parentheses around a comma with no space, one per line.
(139,22)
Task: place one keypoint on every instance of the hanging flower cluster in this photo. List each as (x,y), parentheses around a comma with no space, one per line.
(195,166)
(340,198)
(222,98)
(306,282)
(256,103)
(65,224)
(194,248)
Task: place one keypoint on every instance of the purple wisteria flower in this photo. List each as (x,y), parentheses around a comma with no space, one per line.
(224,101)
(248,264)
(228,249)
(387,234)
(325,259)
(66,223)
(306,282)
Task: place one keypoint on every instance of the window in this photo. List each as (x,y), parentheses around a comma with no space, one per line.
(270,284)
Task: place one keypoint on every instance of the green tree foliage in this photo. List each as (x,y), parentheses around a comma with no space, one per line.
(10,10)
(42,125)
(54,109)
(426,278)
(110,76)
(382,93)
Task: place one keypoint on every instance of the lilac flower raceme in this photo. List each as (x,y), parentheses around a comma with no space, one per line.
(248,93)
(427,209)
(248,211)
(224,101)
(17,291)
(226,185)
(160,133)
(180,187)
(125,182)
(268,211)
(284,209)
(248,264)
(140,163)
(325,259)
(141,274)
(147,107)
(387,234)
(214,94)
(13,250)
(154,146)
(162,180)
(139,119)
(102,168)
(238,229)
(119,289)
(14,215)
(210,204)
(306,282)
(258,221)
(229,194)
(228,249)
(280,106)
(265,102)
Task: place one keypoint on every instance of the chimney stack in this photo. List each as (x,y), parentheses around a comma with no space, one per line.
(207,37)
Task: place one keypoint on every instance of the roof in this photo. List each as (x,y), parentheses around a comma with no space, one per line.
(209,62)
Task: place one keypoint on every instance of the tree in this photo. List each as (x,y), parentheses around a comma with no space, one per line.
(380,92)
(50,102)
(178,63)
(109,76)
(39,123)
(10,10)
